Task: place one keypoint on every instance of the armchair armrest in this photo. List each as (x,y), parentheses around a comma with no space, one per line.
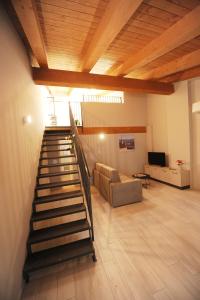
(127,192)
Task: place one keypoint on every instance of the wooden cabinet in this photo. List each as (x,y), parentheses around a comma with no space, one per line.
(177,177)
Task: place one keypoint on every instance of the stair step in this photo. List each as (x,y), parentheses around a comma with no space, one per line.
(50,233)
(53,145)
(66,149)
(57,157)
(57,255)
(45,175)
(57,197)
(56,139)
(58,165)
(63,134)
(57,184)
(57,129)
(57,212)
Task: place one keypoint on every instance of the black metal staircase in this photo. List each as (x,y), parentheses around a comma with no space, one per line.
(66,159)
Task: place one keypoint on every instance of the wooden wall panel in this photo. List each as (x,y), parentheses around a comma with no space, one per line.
(111,130)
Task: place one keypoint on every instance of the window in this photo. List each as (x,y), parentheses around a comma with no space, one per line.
(57,108)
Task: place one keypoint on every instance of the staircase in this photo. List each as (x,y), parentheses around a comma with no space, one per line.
(62,194)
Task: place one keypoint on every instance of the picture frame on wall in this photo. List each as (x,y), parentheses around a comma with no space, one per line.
(126,143)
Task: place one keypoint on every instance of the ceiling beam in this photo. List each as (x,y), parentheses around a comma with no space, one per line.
(184,75)
(86,80)
(27,15)
(182,31)
(117,14)
(185,62)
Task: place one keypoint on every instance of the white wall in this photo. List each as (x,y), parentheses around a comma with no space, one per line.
(194,96)
(131,113)
(157,120)
(19,150)
(168,117)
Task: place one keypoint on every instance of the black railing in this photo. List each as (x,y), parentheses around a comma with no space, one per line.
(84,170)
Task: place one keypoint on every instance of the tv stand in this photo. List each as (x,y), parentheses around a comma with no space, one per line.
(179,178)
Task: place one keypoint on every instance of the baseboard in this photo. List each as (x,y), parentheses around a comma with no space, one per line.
(175,186)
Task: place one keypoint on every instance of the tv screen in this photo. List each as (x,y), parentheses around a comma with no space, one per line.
(156,158)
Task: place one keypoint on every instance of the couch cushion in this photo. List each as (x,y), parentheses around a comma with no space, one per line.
(111,173)
(124,178)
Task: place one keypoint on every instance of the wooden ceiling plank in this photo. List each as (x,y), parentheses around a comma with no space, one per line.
(88,3)
(127,38)
(52,16)
(169,7)
(66,12)
(183,75)
(185,62)
(115,17)
(149,19)
(27,15)
(86,80)
(62,24)
(70,5)
(52,30)
(145,32)
(191,4)
(182,31)
(144,25)
(160,14)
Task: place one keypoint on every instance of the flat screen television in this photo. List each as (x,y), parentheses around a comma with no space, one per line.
(156,158)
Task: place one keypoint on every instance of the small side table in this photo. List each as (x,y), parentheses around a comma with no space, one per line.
(144,177)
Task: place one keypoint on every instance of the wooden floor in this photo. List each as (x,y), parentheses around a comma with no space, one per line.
(145,251)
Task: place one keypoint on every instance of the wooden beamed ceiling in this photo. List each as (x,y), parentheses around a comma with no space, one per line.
(176,35)
(182,63)
(115,17)
(155,40)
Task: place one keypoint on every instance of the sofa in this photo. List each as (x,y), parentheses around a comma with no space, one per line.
(116,188)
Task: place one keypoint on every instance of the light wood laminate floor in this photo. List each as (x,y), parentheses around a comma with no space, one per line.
(145,251)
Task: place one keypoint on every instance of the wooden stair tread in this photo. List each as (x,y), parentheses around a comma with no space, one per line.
(58,165)
(57,157)
(53,232)
(60,144)
(66,149)
(57,212)
(57,135)
(70,172)
(57,128)
(57,184)
(57,197)
(58,254)
(56,139)
(63,134)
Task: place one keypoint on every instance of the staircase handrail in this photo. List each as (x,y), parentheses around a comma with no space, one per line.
(84,170)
